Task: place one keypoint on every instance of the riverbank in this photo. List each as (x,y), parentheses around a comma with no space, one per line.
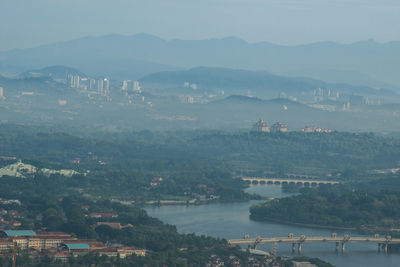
(305,224)
(231,221)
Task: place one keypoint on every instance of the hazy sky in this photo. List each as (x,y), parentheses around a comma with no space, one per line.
(27,23)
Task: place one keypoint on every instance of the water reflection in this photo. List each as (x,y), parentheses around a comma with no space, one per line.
(231,220)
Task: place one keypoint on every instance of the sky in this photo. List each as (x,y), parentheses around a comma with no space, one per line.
(30,23)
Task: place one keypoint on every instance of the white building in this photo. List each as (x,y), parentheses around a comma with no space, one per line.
(100,86)
(92,84)
(76,81)
(125,85)
(106,84)
(136,86)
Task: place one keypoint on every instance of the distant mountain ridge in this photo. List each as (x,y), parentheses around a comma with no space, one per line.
(41,84)
(131,57)
(261,83)
(55,72)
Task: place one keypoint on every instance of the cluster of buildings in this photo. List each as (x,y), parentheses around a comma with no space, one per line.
(309,129)
(23,170)
(262,126)
(100,86)
(321,94)
(18,169)
(156,181)
(60,245)
(190,85)
(10,218)
(128,85)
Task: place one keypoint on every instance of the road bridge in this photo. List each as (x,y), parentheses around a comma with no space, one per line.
(281,181)
(382,242)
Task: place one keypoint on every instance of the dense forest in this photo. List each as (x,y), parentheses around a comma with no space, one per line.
(304,153)
(368,206)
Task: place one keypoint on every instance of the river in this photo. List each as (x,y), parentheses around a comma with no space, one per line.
(231,220)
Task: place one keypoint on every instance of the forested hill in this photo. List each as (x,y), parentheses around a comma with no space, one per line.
(308,153)
(302,151)
(329,208)
(258,81)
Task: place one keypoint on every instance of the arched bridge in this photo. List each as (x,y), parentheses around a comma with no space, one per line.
(382,242)
(303,182)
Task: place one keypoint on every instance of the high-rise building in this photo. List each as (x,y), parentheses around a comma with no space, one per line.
(92,84)
(136,86)
(1,92)
(70,80)
(125,85)
(76,81)
(106,85)
(100,86)
(190,99)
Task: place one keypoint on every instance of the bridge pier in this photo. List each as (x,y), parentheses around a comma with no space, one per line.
(383,246)
(293,247)
(343,245)
(337,247)
(299,245)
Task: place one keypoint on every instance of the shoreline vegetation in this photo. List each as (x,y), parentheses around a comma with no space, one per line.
(335,207)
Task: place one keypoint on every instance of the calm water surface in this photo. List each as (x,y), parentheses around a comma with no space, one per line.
(232,221)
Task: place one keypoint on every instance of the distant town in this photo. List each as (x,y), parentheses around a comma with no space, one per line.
(280,127)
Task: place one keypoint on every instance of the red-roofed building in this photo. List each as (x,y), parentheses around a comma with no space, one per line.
(102,215)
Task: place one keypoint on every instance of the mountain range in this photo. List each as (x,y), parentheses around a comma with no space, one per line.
(260,83)
(132,57)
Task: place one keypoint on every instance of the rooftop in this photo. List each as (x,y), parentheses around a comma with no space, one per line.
(77,246)
(19,232)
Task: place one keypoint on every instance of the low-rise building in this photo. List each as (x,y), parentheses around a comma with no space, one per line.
(279,127)
(102,215)
(261,126)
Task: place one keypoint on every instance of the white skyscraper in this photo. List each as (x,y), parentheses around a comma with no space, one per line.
(92,84)
(100,86)
(76,81)
(106,84)
(70,80)
(125,85)
(136,86)
(1,92)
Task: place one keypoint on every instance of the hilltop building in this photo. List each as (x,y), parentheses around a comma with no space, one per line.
(309,129)
(261,126)
(279,127)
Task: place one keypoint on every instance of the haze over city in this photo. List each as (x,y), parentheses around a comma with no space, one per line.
(183,133)
(31,23)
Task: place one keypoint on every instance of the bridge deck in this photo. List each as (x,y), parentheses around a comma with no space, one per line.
(251,241)
(288,180)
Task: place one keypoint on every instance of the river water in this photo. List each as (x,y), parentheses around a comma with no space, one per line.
(231,220)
